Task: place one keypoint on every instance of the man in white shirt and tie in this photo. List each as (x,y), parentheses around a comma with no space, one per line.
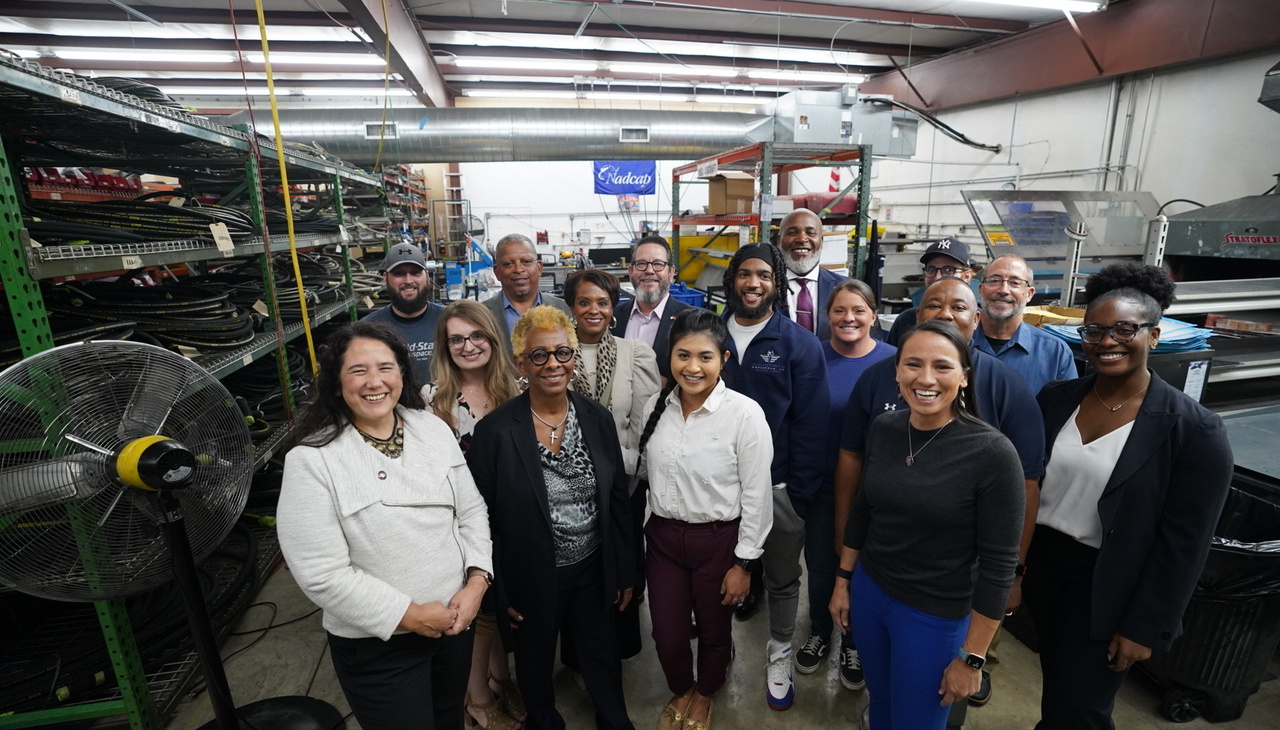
(800,238)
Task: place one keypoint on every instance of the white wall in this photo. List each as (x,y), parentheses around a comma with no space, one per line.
(1194,132)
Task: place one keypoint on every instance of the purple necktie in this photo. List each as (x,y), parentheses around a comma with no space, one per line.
(804,306)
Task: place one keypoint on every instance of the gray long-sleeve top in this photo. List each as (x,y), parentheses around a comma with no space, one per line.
(941,536)
(365,534)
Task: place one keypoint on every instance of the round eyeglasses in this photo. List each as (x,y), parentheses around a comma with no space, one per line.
(539,356)
(1120,331)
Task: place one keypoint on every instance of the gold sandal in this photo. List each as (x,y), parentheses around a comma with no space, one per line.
(691,724)
(671,718)
(509,695)
(494,717)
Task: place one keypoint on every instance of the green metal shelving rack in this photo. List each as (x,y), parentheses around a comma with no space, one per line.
(53,118)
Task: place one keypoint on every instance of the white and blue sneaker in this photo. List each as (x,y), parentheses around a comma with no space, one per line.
(781,686)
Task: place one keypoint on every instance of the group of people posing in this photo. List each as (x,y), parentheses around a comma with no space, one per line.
(525,482)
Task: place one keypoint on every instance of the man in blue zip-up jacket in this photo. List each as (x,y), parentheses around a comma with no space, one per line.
(778,364)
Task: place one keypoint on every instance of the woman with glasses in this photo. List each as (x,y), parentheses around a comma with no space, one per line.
(549,464)
(468,384)
(1136,476)
(621,375)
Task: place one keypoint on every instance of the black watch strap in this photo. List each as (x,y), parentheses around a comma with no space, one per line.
(842,573)
(745,564)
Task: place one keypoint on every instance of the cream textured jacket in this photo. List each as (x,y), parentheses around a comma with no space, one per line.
(364,534)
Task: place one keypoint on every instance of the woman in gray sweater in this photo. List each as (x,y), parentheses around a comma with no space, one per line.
(932,540)
(383,528)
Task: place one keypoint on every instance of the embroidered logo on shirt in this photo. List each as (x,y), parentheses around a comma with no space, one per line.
(891,406)
(770,357)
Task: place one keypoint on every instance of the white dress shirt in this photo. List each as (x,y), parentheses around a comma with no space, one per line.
(641,326)
(713,466)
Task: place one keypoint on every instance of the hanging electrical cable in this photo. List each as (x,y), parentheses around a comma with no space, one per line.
(939,125)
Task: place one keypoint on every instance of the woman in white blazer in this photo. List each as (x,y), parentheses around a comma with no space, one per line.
(621,375)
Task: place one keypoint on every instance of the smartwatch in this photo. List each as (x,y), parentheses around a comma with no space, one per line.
(474,571)
(1021,570)
(974,661)
(747,565)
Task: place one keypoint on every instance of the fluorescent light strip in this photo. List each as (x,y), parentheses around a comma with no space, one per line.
(672,69)
(810,76)
(144,55)
(524,64)
(1075,6)
(739,100)
(318,59)
(281,90)
(517,94)
(634,96)
(348,91)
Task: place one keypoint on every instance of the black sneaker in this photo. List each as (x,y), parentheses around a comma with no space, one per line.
(851,669)
(983,695)
(811,654)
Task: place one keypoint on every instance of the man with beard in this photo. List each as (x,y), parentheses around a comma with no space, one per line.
(518,269)
(1004,401)
(780,366)
(1036,355)
(404,273)
(810,285)
(651,312)
(944,257)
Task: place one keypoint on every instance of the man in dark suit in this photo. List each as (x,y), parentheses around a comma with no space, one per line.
(650,315)
(518,269)
(800,238)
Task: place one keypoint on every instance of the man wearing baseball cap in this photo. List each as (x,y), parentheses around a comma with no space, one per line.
(944,257)
(404,272)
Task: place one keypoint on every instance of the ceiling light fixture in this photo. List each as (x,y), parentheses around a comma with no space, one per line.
(802,75)
(517,94)
(318,59)
(232,91)
(1074,6)
(524,64)
(353,91)
(671,69)
(144,56)
(634,96)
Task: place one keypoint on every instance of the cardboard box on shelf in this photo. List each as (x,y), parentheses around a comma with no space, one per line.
(731,193)
(1227,322)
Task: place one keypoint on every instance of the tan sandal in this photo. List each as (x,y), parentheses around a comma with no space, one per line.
(494,717)
(691,724)
(509,695)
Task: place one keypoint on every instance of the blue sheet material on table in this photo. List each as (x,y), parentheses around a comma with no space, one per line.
(1175,335)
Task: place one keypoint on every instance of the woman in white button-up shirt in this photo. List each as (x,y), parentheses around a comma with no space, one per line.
(707,451)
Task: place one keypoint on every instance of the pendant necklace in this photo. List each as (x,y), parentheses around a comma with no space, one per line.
(911,453)
(1113,409)
(551,426)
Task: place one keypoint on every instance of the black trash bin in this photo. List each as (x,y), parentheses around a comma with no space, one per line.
(1232,625)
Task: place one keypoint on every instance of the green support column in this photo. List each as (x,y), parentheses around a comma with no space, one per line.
(675,228)
(23,293)
(340,214)
(253,183)
(123,650)
(766,188)
(864,199)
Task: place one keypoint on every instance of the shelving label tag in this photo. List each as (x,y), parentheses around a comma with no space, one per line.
(131,262)
(69,95)
(222,239)
(342,233)
(177,201)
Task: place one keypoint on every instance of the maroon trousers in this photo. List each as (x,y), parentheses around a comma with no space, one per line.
(685,566)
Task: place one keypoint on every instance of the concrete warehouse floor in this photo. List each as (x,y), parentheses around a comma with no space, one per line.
(294,659)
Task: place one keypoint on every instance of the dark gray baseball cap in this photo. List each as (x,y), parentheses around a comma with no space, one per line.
(404,253)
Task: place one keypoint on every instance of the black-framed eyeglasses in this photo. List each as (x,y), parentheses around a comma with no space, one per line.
(539,356)
(944,270)
(476,339)
(1013,283)
(657,266)
(1120,331)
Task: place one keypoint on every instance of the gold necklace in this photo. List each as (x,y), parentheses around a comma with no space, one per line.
(1113,409)
(392,446)
(911,454)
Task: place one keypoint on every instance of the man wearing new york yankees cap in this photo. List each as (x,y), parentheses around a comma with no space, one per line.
(404,273)
(777,363)
(944,257)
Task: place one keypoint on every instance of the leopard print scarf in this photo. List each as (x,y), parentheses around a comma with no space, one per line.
(606,363)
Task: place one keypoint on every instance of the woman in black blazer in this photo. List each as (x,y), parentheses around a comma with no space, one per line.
(549,465)
(1136,477)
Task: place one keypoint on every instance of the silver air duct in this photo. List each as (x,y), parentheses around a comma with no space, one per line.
(481,134)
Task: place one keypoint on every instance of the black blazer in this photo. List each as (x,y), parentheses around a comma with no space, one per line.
(661,345)
(504,461)
(1158,509)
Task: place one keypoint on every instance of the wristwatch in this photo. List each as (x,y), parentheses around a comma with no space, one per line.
(474,571)
(1020,570)
(974,661)
(745,564)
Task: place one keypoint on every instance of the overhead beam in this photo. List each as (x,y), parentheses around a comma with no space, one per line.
(630,57)
(410,54)
(820,11)
(1127,38)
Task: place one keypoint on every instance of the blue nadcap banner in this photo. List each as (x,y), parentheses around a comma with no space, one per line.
(617,177)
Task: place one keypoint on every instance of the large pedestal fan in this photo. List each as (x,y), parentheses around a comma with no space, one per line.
(121,466)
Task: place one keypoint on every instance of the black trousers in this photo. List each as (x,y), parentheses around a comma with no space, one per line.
(407,682)
(579,592)
(1079,690)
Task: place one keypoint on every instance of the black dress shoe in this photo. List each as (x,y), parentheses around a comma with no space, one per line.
(983,695)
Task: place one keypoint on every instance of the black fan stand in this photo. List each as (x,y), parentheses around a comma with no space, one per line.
(277,713)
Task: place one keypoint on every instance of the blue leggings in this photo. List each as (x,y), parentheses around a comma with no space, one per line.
(904,652)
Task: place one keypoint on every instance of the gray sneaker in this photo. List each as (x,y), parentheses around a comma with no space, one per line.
(811,654)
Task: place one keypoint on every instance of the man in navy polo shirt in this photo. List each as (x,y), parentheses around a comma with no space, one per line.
(778,364)
(1036,355)
(1004,401)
